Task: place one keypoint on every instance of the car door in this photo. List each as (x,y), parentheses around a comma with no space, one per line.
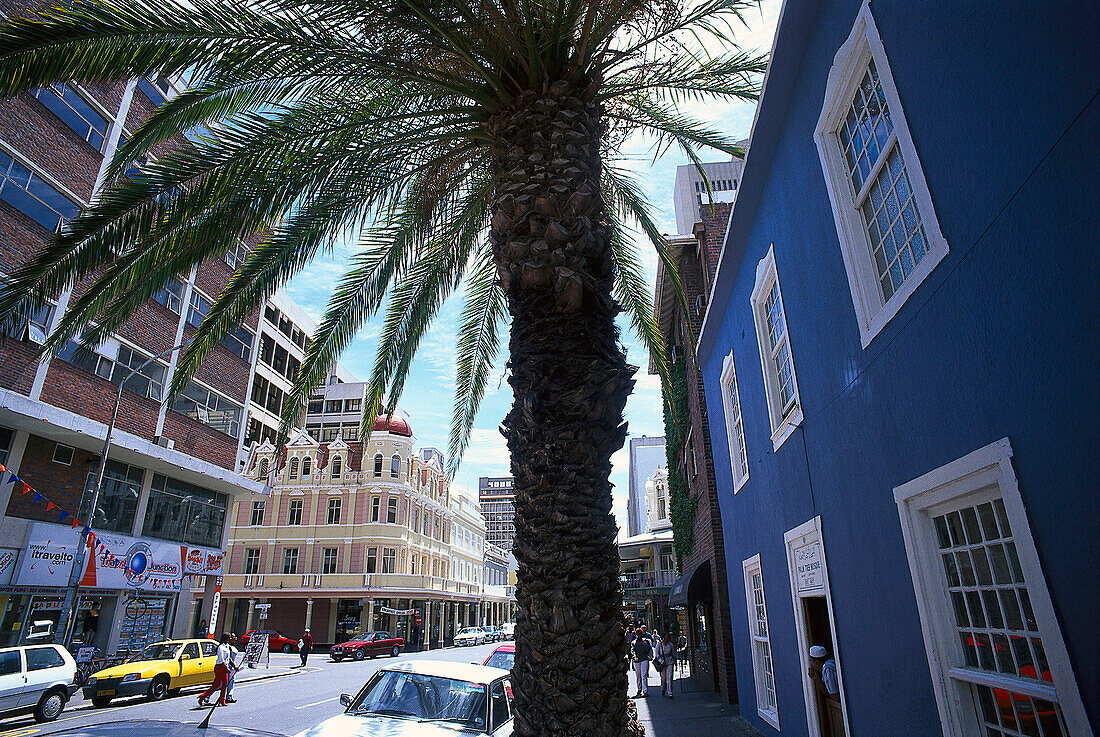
(381,644)
(209,658)
(187,670)
(12,679)
(43,670)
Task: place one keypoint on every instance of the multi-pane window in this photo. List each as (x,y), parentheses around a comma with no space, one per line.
(391,510)
(307,467)
(886,223)
(257,517)
(236,255)
(237,341)
(290,560)
(251,561)
(763,673)
(378,460)
(146,382)
(36,327)
(395,467)
(293,469)
(328,560)
(372,560)
(171,295)
(209,408)
(375,508)
(352,405)
(337,467)
(389,560)
(881,186)
(334,509)
(116,505)
(333,406)
(994,619)
(183,512)
(294,513)
(73,110)
(780,384)
(999,665)
(30,194)
(735,430)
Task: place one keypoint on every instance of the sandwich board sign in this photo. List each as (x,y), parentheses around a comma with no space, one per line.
(256,651)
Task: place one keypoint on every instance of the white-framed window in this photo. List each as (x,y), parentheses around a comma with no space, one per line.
(335,507)
(257,517)
(251,561)
(328,562)
(171,294)
(999,664)
(236,255)
(776,362)
(294,514)
(763,675)
(290,560)
(889,236)
(735,430)
(63,454)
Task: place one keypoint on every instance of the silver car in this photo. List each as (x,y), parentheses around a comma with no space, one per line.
(37,679)
(425,698)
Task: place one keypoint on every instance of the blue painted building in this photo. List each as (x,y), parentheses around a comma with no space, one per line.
(900,359)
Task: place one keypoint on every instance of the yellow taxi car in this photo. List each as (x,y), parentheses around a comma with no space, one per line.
(160,669)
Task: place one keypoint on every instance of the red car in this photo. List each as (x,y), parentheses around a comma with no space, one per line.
(367,644)
(503,657)
(276,642)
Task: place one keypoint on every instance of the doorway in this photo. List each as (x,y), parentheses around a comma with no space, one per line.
(815,626)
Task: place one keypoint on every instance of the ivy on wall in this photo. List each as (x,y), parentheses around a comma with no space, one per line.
(676,430)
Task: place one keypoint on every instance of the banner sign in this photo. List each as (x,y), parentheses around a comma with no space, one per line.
(121,562)
(400,612)
(7,564)
(809,573)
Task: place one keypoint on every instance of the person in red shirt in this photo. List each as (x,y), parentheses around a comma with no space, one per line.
(305,645)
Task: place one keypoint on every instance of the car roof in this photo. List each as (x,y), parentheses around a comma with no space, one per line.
(509,648)
(448,669)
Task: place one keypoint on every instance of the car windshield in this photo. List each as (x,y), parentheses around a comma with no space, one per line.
(361,636)
(501,660)
(469,631)
(159,651)
(418,696)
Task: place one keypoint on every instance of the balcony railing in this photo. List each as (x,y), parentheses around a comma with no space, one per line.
(647,579)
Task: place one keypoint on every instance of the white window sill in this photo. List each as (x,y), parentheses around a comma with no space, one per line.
(786,428)
(771,717)
(738,484)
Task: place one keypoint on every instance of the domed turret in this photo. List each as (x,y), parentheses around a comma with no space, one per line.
(393,424)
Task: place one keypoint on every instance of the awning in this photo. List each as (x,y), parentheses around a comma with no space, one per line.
(692,586)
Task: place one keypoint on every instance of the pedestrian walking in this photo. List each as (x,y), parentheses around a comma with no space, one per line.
(221,671)
(236,660)
(665,663)
(642,653)
(305,645)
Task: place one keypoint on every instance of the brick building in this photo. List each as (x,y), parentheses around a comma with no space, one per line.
(701,592)
(171,478)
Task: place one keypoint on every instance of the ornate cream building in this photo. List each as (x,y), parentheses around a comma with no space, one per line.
(355,535)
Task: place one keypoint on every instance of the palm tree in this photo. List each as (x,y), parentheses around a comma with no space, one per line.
(416,126)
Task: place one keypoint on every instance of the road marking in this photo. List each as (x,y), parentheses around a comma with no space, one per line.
(24,732)
(316,703)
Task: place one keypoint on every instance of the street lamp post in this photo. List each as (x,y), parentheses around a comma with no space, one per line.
(72,594)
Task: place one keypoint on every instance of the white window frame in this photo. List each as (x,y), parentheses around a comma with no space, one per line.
(751,566)
(734,421)
(849,65)
(977,477)
(782,427)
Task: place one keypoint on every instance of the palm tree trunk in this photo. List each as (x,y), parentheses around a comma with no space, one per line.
(570,380)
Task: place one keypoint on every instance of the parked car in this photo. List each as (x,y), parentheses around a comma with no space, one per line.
(367,644)
(492,634)
(37,679)
(504,656)
(276,641)
(469,636)
(425,698)
(157,671)
(508,630)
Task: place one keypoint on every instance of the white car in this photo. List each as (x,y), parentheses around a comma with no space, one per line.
(469,636)
(425,698)
(508,630)
(36,679)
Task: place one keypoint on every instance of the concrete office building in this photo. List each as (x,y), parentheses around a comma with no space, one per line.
(498,506)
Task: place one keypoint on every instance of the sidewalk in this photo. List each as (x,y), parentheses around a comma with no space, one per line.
(690,713)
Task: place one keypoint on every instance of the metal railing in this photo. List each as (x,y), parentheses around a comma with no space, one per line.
(647,579)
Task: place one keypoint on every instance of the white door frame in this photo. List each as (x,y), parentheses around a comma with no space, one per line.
(796,539)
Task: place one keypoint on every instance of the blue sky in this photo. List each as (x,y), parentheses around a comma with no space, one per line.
(429,394)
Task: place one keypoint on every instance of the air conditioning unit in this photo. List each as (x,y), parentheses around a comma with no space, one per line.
(164,442)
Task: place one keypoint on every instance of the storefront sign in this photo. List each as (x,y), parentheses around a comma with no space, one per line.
(48,557)
(809,569)
(399,612)
(123,562)
(7,564)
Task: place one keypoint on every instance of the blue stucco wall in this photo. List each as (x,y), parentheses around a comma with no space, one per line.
(999,341)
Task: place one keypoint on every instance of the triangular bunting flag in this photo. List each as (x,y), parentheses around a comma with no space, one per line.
(12,478)
(50,506)
(76,523)
(26,487)
(38,497)
(62,515)
(2,469)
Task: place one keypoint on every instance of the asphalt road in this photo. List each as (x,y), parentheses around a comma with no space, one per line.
(291,700)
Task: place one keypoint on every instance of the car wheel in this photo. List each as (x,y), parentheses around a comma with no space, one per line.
(49,706)
(100,701)
(287,648)
(158,689)
(360,654)
(395,651)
